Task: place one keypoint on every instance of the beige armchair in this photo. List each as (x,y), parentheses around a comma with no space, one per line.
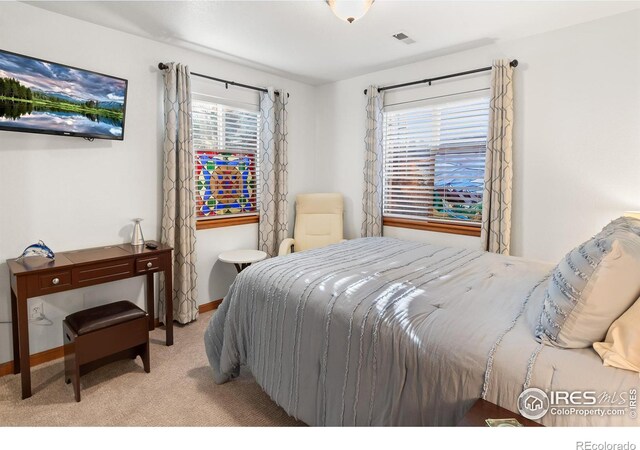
(318,223)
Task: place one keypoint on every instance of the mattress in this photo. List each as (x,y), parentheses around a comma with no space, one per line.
(380,331)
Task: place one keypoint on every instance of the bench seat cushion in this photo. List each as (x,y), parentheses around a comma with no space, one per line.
(93,319)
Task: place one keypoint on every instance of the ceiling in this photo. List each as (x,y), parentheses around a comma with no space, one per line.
(305,41)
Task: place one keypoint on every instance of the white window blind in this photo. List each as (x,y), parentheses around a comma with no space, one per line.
(434,157)
(225,141)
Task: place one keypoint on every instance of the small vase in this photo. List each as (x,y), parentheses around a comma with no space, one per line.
(137,240)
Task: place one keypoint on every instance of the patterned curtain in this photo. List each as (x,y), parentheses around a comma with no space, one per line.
(273,203)
(178,214)
(372,190)
(496,203)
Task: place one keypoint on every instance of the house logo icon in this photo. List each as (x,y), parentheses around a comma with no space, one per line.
(533,403)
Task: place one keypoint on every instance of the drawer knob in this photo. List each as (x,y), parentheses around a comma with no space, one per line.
(149,264)
(55,281)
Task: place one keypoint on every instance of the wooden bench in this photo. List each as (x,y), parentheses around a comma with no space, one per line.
(97,336)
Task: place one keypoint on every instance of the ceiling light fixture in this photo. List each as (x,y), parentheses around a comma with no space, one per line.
(350,10)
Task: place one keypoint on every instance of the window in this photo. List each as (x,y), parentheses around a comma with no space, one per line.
(434,158)
(225,141)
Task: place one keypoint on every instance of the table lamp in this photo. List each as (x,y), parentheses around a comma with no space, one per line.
(137,240)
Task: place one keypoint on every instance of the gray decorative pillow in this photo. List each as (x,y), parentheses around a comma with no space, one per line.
(592,286)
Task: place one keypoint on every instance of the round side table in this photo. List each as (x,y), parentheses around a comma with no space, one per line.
(242,258)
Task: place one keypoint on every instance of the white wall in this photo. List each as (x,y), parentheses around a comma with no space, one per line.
(576,134)
(73,194)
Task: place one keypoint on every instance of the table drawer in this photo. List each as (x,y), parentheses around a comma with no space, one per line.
(49,283)
(147,264)
(103,272)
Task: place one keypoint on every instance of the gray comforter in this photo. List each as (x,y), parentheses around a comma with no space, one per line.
(379,331)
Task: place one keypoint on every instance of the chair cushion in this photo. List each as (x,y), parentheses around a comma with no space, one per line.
(318,220)
(93,319)
(328,203)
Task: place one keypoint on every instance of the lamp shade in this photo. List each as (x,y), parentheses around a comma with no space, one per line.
(634,214)
(350,10)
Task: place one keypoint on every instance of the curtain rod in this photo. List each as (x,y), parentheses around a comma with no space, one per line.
(163,66)
(513,63)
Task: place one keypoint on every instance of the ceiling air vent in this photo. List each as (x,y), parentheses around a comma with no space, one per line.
(402,37)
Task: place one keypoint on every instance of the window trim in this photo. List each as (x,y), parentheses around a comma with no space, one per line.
(431,225)
(220,222)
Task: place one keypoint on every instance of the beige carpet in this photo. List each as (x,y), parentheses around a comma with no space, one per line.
(178,391)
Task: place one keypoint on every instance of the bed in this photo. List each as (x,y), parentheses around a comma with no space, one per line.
(379,331)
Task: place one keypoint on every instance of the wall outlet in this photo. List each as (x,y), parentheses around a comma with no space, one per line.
(36,311)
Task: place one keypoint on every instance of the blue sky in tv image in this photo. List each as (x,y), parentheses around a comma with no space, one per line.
(40,96)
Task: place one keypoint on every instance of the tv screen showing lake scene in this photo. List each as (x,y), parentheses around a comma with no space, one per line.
(43,97)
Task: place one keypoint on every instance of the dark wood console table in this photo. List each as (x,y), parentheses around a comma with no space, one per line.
(36,276)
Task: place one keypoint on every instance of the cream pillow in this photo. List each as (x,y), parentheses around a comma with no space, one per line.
(621,347)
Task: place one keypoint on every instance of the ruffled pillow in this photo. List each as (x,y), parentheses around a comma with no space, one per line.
(592,286)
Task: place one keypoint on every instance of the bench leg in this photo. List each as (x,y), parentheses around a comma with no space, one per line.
(68,362)
(71,366)
(76,384)
(145,357)
(72,373)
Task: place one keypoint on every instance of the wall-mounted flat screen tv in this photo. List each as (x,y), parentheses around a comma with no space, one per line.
(38,96)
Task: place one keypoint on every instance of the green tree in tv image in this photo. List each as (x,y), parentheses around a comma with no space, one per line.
(17,100)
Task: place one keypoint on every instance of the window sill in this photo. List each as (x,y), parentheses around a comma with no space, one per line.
(226,222)
(439,227)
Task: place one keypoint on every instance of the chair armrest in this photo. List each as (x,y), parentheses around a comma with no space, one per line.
(285,247)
